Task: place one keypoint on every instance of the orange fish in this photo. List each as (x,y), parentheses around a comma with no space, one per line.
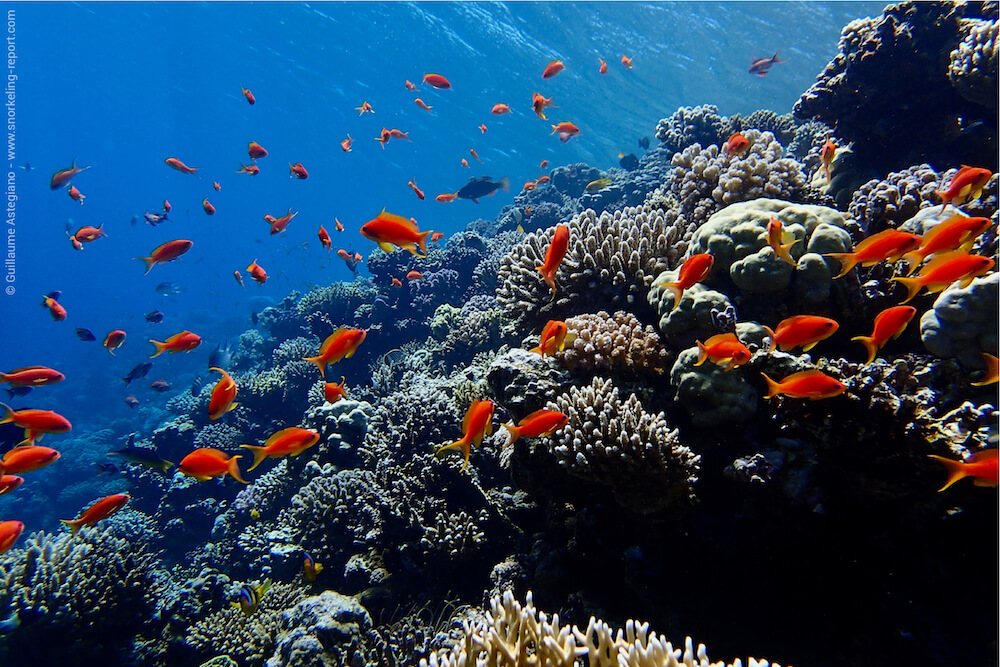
(554,337)
(736,144)
(418,191)
(437,81)
(364,108)
(27,459)
(88,234)
(251,169)
(184,341)
(255,150)
(56,309)
(9,532)
(982,466)
(412,87)
(565,127)
(890,244)
(216,186)
(826,155)
(205,463)
(399,134)
(540,423)
(724,349)
(473,153)
(500,109)
(627,62)
(383,137)
(166,207)
(437,236)
(174,163)
(812,384)
(482,128)
(958,231)
(32,376)
(247,94)
(396,282)
(341,344)
(223,395)
(539,103)
(345,145)
(414,275)
(465,163)
(775,235)
(944,270)
(290,441)
(75,194)
(100,510)
(542,180)
(423,105)
(446,197)
(604,66)
(992,375)
(333,392)
(890,323)
(552,69)
(554,257)
(167,252)
(695,269)
(64,176)
(297,171)
(965,186)
(207,205)
(324,238)
(36,423)
(543,164)
(114,340)
(257,272)
(9,482)
(279,225)
(801,331)
(529,186)
(238,276)
(477,424)
(338,225)
(388,229)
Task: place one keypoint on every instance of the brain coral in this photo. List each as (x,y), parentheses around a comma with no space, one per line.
(617,443)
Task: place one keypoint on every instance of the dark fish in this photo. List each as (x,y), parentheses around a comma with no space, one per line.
(18,391)
(144,456)
(85,334)
(134,220)
(26,166)
(160,386)
(138,371)
(221,356)
(250,596)
(629,162)
(54,294)
(759,66)
(253,317)
(132,401)
(644,143)
(109,468)
(167,289)
(483,186)
(154,218)
(197,385)
(155,317)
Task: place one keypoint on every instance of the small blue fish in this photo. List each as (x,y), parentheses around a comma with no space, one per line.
(85,334)
(155,317)
(138,371)
(109,468)
(167,289)
(197,385)
(248,600)
(221,356)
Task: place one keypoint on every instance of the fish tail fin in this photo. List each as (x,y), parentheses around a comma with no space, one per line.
(101,232)
(775,58)
(847,261)
(504,183)
(702,353)
(549,276)
(234,469)
(422,240)
(773,337)
(165,465)
(148,261)
(259,454)
(955,469)
(773,388)
(73,525)
(785,252)
(912,259)
(8,413)
(870,345)
(464,445)
(676,290)
(320,364)
(514,431)
(912,286)
(160,349)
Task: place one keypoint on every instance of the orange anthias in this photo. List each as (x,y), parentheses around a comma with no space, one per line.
(603,69)
(88,234)
(890,244)
(185,341)
(812,384)
(736,144)
(775,236)
(324,238)
(538,423)
(27,459)
(256,151)
(956,232)
(801,331)
(695,269)
(62,177)
(436,81)
(388,230)
(205,463)
(965,186)
(174,163)
(32,376)
(554,257)
(417,191)
(555,335)
(500,109)
(102,509)
(345,145)
(423,105)
(114,340)
(982,466)
(724,349)
(9,532)
(56,309)
(279,225)
(223,395)
(248,95)
(539,104)
(291,441)
(167,252)
(626,61)
(9,482)
(257,272)
(341,344)
(943,270)
(552,69)
(297,171)
(477,424)
(35,423)
(890,323)
(333,391)
(826,155)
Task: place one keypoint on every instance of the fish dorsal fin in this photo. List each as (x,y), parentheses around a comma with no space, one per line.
(283,433)
(25,368)
(942,226)
(806,375)
(722,338)
(214,453)
(331,339)
(533,416)
(939,260)
(875,238)
(398,219)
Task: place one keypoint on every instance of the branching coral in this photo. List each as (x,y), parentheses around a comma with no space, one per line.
(617,344)
(690,125)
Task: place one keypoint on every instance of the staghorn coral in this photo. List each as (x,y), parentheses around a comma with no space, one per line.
(455,537)
(691,125)
(92,590)
(618,444)
(963,322)
(248,639)
(610,264)
(972,66)
(619,344)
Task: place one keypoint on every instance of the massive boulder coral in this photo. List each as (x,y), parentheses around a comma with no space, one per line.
(888,90)
(963,322)
(322,631)
(972,66)
(616,443)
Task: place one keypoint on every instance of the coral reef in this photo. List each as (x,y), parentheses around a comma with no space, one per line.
(692,125)
(323,630)
(617,344)
(963,322)
(972,66)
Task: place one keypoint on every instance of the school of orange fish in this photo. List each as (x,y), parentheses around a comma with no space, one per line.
(942,256)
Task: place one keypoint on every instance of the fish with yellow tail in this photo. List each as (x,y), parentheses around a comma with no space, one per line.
(982,466)
(99,511)
(775,236)
(205,463)
(290,441)
(310,568)
(249,597)
(956,232)
(945,270)
(554,257)
(890,323)
(890,245)
(223,395)
(539,423)
(478,423)
(725,350)
(341,344)
(388,230)
(555,336)
(694,269)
